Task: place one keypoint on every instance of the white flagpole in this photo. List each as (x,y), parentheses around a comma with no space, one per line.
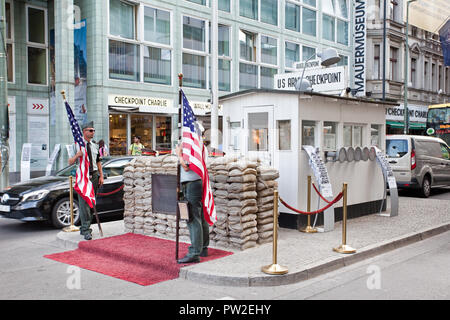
(214,80)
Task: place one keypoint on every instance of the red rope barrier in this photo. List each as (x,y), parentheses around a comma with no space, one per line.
(112,192)
(338,197)
(321,196)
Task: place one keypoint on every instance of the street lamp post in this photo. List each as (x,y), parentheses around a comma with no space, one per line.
(405,90)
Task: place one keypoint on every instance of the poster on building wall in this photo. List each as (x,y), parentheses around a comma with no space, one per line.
(359,47)
(80,72)
(38,132)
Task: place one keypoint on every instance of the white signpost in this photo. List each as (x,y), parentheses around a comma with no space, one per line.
(25,166)
(389,178)
(321,175)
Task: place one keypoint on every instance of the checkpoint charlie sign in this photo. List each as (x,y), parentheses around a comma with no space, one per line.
(322,80)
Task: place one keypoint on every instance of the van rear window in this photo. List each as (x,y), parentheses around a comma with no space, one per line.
(396,148)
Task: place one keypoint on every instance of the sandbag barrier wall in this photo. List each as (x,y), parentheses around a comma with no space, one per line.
(243,195)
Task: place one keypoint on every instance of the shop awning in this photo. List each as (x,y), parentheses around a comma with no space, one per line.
(412,125)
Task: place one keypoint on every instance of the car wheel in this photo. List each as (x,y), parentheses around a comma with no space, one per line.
(61,213)
(426,187)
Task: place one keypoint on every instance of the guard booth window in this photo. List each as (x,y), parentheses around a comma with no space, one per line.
(353,135)
(308,133)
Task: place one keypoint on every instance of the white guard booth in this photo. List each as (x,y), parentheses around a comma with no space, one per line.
(275,124)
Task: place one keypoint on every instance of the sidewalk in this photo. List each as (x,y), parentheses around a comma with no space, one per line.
(309,255)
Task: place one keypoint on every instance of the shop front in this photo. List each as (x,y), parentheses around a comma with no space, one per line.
(395,119)
(154,120)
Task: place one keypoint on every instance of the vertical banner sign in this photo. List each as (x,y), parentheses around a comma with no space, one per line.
(80,72)
(359,48)
(444,36)
(390,179)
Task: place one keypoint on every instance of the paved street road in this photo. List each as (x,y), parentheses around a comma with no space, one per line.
(418,271)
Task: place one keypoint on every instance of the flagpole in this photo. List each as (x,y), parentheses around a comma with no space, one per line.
(180,102)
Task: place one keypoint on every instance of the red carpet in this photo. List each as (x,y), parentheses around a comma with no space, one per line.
(132,257)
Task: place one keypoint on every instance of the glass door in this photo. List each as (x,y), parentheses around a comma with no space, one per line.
(259,133)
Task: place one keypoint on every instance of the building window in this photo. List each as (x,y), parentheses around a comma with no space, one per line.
(224,5)
(308,21)
(247,46)
(157,65)
(291,54)
(248,9)
(329,136)
(375,135)
(124,61)
(156,26)
(151,51)
(335,21)
(37,45)
(308,52)
(353,135)
(433,77)
(394,64)
(248,76)
(284,134)
(224,58)
(202,2)
(269,50)
(376,62)
(292,14)
(308,133)
(194,71)
(269,10)
(413,72)
(425,78)
(301,18)
(252,66)
(393,10)
(122,19)
(195,54)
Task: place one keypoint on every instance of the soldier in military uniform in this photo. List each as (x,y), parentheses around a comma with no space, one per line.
(95,176)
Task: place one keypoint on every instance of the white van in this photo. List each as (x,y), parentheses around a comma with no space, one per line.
(419,162)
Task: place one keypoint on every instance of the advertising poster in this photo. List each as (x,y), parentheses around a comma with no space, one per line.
(38,132)
(80,72)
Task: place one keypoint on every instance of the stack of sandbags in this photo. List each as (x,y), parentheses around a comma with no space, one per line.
(265,186)
(242,205)
(128,196)
(218,174)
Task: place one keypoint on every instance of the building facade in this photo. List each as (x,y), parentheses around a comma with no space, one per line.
(428,77)
(119,60)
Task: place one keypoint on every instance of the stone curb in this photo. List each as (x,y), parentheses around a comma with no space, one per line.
(315,269)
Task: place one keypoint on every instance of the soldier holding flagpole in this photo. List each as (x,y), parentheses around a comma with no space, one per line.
(195,184)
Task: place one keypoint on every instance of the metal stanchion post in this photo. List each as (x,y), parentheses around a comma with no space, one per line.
(275,268)
(344,248)
(71,228)
(308,228)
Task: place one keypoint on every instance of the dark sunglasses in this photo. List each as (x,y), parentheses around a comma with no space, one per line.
(90,130)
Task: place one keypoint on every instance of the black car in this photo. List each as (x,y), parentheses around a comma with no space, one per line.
(47,198)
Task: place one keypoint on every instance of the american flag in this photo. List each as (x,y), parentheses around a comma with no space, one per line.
(194,152)
(82,183)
